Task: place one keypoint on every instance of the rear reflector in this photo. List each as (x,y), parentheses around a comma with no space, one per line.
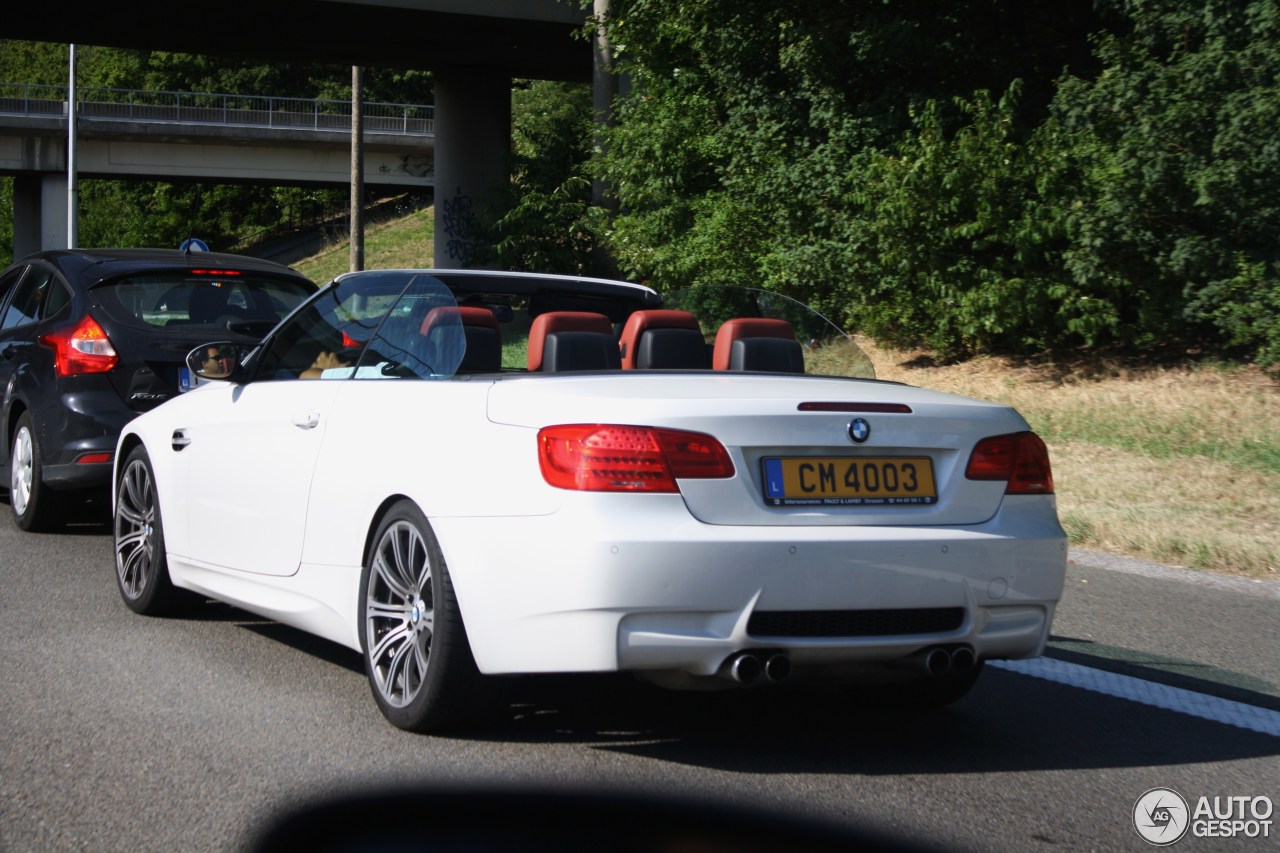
(1020,458)
(93,458)
(84,348)
(615,458)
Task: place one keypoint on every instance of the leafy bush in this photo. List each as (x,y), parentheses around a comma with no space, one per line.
(854,157)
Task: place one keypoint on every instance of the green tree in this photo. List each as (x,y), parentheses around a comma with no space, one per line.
(740,150)
(545,222)
(1178,199)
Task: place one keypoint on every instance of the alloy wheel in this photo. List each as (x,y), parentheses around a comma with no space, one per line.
(22,471)
(135,519)
(399,614)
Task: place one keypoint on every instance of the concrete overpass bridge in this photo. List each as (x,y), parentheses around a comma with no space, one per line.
(124,134)
(472,47)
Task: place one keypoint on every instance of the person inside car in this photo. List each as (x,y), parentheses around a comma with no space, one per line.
(324,361)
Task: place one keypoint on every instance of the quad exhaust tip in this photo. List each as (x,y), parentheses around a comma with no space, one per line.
(750,667)
(937,661)
(775,667)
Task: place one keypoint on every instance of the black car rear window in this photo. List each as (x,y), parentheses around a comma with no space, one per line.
(200,301)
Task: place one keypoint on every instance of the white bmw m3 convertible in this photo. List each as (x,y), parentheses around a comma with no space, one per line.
(470,474)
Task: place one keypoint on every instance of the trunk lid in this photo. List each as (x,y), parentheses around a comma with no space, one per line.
(911,434)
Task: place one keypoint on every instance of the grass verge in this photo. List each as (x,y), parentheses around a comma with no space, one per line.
(1176,464)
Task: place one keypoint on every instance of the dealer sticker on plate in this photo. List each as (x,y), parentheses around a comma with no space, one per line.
(849,481)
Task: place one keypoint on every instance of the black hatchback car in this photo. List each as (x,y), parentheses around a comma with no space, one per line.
(89,338)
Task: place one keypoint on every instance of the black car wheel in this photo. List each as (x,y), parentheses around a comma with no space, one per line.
(142,572)
(416,653)
(34,505)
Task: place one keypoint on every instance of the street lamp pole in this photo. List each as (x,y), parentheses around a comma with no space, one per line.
(73,181)
(357,169)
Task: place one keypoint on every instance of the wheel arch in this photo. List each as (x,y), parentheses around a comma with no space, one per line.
(127,443)
(17,406)
(375,521)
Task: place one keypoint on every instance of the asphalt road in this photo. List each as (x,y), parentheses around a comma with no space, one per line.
(123,733)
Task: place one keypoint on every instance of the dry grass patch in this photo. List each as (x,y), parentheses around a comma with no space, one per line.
(1178,464)
(1223,518)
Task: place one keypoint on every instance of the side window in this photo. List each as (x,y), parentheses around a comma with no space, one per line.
(24,307)
(57,299)
(7,286)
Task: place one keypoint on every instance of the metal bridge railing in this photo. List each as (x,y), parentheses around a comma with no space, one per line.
(30,99)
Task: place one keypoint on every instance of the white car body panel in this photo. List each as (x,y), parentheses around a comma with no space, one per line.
(755,416)
(271,504)
(554,581)
(283,422)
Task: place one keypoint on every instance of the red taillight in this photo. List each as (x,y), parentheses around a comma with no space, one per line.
(611,458)
(1020,458)
(84,348)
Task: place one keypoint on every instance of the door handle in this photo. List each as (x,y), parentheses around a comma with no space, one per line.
(180,439)
(307,420)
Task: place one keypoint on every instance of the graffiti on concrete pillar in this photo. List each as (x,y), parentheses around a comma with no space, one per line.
(417,165)
(461,226)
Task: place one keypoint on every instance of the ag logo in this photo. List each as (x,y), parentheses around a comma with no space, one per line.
(1161,816)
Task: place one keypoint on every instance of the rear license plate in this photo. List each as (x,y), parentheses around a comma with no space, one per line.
(849,481)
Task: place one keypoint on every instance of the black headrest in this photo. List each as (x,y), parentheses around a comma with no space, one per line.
(774,355)
(563,351)
(660,349)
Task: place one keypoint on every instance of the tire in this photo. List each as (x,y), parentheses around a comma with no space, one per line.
(142,571)
(35,506)
(416,653)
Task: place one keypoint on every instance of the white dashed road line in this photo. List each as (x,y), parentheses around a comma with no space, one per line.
(1148,693)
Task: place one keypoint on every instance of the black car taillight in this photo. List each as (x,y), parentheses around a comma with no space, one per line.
(83,348)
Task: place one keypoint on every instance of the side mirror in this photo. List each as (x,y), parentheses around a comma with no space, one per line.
(214,361)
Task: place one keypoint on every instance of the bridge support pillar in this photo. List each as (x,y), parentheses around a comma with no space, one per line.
(473,140)
(39,213)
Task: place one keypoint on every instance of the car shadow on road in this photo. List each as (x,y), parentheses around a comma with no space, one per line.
(1009,723)
(88,515)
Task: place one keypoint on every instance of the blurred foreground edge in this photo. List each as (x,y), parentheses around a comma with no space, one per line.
(538,819)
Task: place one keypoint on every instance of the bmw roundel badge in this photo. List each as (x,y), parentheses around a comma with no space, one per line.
(859,430)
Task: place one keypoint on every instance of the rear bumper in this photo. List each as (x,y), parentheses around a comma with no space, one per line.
(605,585)
(79,476)
(80,424)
